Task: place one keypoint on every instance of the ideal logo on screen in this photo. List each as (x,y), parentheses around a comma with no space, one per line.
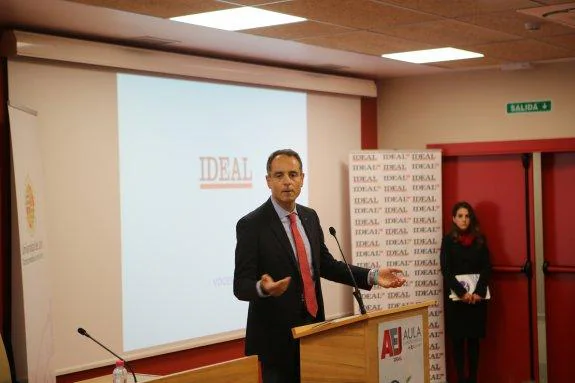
(392,343)
(225,173)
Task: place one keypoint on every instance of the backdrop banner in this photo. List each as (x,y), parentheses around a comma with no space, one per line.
(395,202)
(34,346)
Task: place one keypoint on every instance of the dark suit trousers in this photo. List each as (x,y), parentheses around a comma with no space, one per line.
(285,374)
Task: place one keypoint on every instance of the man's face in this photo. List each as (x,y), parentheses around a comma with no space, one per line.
(285,180)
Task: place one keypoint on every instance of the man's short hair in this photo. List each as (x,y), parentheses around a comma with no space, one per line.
(283,152)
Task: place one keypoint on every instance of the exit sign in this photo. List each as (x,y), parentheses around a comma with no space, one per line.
(529,107)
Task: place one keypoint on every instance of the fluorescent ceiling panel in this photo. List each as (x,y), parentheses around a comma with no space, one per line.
(237,19)
(433,55)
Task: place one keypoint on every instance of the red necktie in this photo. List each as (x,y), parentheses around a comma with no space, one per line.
(308,285)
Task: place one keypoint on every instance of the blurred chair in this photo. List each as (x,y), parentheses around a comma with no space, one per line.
(5,374)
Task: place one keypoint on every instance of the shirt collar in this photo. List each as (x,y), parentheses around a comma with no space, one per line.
(281,212)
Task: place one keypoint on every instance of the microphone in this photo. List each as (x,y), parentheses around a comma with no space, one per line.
(356,292)
(83,332)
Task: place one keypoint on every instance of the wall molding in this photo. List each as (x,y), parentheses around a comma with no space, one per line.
(27,45)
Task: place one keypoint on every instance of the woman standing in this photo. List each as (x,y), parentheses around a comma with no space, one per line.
(464,251)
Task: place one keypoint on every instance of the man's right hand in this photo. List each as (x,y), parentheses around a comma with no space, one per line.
(274,288)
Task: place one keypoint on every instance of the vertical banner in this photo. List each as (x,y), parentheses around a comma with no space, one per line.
(396,222)
(30,252)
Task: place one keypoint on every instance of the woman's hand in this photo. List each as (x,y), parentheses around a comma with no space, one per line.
(471,298)
(475,298)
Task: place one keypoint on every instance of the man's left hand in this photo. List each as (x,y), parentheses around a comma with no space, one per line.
(388,277)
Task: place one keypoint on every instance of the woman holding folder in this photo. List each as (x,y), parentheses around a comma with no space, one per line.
(466,270)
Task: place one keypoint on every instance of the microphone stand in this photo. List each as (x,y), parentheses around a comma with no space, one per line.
(81,331)
(356,293)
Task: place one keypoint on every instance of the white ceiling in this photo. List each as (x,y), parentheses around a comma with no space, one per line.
(342,37)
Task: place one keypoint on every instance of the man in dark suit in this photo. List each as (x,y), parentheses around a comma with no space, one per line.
(273,245)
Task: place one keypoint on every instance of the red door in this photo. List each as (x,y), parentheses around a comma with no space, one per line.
(495,186)
(491,181)
(558,210)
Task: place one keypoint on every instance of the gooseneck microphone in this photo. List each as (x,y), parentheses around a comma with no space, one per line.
(356,292)
(81,331)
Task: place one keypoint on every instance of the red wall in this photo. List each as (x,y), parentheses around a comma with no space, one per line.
(368,123)
(491,176)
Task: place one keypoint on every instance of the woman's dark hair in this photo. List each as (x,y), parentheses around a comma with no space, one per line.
(473,221)
(283,152)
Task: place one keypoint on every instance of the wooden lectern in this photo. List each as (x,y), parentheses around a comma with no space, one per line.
(353,349)
(241,370)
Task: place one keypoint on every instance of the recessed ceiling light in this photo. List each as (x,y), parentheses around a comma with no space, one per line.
(433,55)
(240,18)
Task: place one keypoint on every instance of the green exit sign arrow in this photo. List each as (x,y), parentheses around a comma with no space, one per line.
(529,107)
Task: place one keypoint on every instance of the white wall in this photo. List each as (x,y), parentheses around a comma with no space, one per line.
(335,134)
(469,107)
